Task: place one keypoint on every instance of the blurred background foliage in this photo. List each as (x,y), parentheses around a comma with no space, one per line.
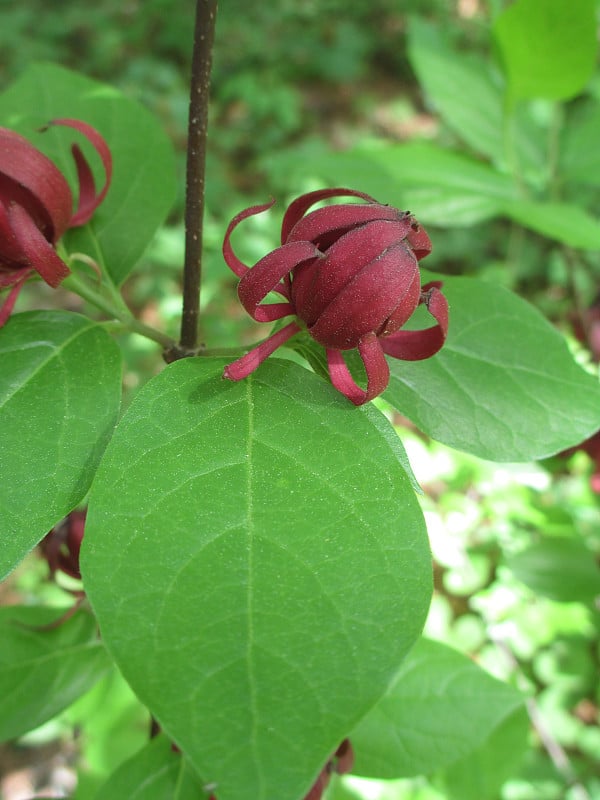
(303,90)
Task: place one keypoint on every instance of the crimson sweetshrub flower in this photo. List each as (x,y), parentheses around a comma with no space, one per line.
(62,545)
(350,275)
(36,207)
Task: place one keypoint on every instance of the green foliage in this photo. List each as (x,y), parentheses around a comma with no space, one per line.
(44,669)
(277,531)
(62,373)
(255,554)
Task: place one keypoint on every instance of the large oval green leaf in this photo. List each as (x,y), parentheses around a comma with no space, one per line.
(504,386)
(143,186)
(60,390)
(259,567)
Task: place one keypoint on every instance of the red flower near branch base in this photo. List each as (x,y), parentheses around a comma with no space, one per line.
(36,207)
(350,275)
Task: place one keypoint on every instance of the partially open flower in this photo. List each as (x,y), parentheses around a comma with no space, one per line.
(350,275)
(36,207)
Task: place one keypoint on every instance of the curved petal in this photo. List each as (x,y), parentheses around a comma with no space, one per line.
(417,345)
(383,288)
(246,364)
(39,253)
(89,199)
(265,276)
(29,178)
(297,209)
(376,367)
(8,305)
(324,226)
(230,257)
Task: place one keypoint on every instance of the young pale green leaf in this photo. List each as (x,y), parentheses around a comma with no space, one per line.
(156,772)
(481,773)
(440,707)
(44,671)
(461,88)
(561,568)
(504,386)
(440,187)
(143,186)
(60,391)
(563,222)
(579,152)
(259,567)
(548,47)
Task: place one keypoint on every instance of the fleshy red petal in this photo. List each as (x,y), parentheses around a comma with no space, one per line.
(343,261)
(297,209)
(39,253)
(384,287)
(419,240)
(30,179)
(89,199)
(241,368)
(266,275)
(8,305)
(324,226)
(232,261)
(376,367)
(417,345)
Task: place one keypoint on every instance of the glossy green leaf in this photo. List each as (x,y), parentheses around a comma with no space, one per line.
(60,389)
(561,568)
(439,187)
(480,774)
(44,671)
(548,47)
(259,566)
(440,707)
(143,185)
(562,222)
(157,772)
(504,386)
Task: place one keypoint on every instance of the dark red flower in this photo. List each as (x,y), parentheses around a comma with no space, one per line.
(36,207)
(349,273)
(62,545)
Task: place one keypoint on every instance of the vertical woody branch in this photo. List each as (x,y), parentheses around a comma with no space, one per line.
(206,12)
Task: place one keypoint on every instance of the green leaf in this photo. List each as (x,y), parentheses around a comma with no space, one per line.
(259,566)
(504,386)
(60,390)
(579,151)
(561,568)
(461,87)
(548,47)
(143,186)
(156,772)
(481,773)
(44,671)
(565,223)
(439,187)
(440,707)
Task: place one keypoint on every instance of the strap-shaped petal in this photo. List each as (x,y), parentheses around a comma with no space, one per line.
(266,277)
(39,253)
(297,209)
(7,306)
(232,261)
(241,368)
(376,367)
(417,345)
(89,199)
(324,226)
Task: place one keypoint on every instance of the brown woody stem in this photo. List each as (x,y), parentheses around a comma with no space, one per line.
(206,12)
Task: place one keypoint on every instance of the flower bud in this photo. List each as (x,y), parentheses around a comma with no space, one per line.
(36,207)
(350,275)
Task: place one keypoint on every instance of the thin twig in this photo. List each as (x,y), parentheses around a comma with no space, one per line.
(206,13)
